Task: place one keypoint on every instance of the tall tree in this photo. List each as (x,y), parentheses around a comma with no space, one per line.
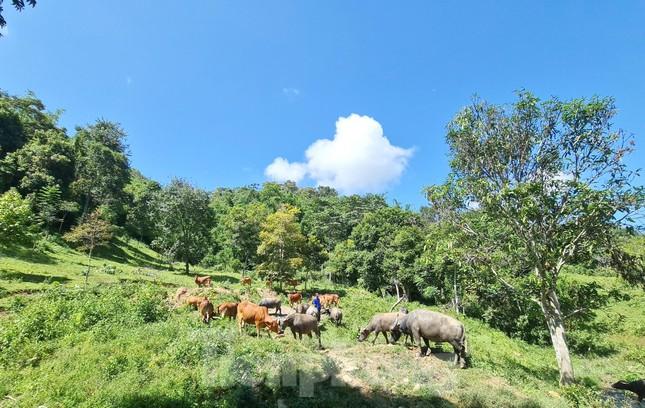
(552,176)
(184,222)
(47,159)
(23,119)
(372,241)
(242,224)
(102,167)
(282,245)
(140,207)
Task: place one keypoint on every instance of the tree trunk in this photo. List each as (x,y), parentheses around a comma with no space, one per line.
(89,264)
(187,267)
(62,221)
(456,294)
(86,207)
(553,315)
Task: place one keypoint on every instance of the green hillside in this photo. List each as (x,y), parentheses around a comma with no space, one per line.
(122,342)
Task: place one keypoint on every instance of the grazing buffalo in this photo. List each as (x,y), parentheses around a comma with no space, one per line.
(379,323)
(301,324)
(295,298)
(312,311)
(637,387)
(302,308)
(203,281)
(433,326)
(246,281)
(251,313)
(194,301)
(272,303)
(335,315)
(396,334)
(329,299)
(228,309)
(207,310)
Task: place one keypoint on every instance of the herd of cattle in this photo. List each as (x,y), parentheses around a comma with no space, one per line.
(418,325)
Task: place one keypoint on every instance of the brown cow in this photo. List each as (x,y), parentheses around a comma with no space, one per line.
(329,299)
(295,298)
(180,294)
(203,281)
(246,280)
(207,310)
(194,301)
(293,283)
(228,309)
(248,312)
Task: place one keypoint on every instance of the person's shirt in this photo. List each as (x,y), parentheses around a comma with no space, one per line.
(317,302)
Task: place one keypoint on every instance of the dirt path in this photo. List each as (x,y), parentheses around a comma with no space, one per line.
(384,367)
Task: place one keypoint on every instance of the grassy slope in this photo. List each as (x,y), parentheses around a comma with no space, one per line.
(26,271)
(180,362)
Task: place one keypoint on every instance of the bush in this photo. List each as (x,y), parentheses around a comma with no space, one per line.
(579,396)
(110,269)
(18,223)
(61,311)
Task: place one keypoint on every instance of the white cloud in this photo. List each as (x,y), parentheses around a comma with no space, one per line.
(291,92)
(359,159)
(281,170)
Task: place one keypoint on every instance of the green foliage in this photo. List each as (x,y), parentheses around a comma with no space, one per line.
(91,233)
(61,312)
(549,178)
(184,222)
(19,5)
(140,208)
(282,246)
(379,250)
(47,159)
(242,224)
(583,397)
(20,118)
(17,221)
(102,167)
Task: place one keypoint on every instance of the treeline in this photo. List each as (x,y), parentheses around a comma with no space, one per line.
(537,188)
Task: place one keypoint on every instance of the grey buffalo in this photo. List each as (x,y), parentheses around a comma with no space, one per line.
(312,311)
(302,308)
(301,324)
(272,303)
(428,326)
(380,323)
(335,315)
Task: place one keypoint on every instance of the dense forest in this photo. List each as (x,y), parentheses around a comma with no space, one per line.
(537,188)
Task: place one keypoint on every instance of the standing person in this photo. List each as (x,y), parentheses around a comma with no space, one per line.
(317,305)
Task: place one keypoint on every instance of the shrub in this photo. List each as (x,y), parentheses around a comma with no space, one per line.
(579,396)
(18,223)
(109,269)
(61,311)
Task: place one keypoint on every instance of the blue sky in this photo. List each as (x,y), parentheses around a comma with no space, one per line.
(214,91)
